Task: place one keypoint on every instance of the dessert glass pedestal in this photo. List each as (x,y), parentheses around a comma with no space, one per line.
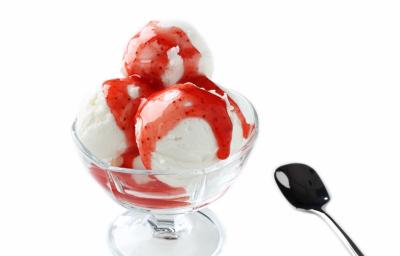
(163,219)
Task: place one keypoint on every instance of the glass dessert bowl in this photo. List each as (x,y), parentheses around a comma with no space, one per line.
(163,219)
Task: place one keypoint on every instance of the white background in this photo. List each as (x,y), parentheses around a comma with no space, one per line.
(323,75)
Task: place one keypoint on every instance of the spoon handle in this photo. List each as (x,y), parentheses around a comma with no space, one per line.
(352,247)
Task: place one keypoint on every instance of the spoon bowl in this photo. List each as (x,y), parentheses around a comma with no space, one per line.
(302,186)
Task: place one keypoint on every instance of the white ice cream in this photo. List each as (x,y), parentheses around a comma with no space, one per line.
(97,129)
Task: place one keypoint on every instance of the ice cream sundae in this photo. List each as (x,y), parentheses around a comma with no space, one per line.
(165,114)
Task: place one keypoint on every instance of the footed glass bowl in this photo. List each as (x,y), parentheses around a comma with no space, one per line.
(166,220)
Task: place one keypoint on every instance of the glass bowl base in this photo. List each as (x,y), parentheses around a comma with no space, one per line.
(137,233)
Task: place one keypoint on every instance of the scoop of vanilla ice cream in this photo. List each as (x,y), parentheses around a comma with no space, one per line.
(191,145)
(175,68)
(97,129)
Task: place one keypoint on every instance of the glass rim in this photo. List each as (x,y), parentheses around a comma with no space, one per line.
(209,169)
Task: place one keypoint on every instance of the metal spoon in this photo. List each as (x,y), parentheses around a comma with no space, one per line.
(304,189)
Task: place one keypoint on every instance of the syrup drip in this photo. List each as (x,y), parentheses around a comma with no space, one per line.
(124,107)
(174,104)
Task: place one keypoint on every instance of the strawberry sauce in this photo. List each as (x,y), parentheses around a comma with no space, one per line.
(124,107)
(163,111)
